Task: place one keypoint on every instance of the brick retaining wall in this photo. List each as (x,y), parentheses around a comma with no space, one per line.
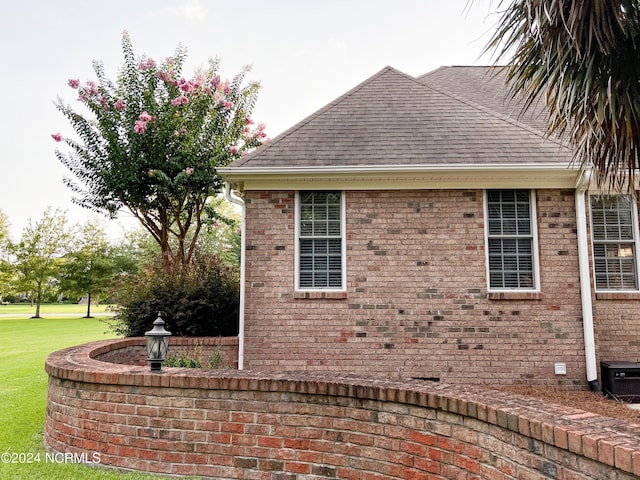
(301,426)
(132,351)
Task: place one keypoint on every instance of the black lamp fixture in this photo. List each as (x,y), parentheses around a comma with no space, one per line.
(157,340)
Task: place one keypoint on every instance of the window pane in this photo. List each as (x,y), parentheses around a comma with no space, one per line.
(320,243)
(306,228)
(319,229)
(320,212)
(510,239)
(612,229)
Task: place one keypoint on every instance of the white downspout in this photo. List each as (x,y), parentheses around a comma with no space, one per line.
(585,280)
(230,196)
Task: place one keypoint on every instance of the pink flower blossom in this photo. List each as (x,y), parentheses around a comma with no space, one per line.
(233,149)
(188,171)
(181,100)
(140,126)
(57,137)
(145,117)
(73,83)
(165,76)
(197,82)
(119,105)
(147,65)
(91,88)
(227,104)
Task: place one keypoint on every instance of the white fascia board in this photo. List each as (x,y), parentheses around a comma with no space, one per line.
(393,177)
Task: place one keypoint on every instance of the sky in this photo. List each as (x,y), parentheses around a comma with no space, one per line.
(304,54)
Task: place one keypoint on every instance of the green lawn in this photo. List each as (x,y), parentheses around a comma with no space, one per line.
(24,345)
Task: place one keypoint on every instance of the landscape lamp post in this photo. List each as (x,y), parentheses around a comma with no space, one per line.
(157,340)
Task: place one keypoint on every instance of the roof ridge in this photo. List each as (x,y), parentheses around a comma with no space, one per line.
(425,82)
(316,114)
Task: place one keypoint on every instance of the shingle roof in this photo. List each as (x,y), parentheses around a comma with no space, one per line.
(486,86)
(393,119)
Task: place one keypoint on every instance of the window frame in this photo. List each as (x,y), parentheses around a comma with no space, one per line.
(535,260)
(635,241)
(343,244)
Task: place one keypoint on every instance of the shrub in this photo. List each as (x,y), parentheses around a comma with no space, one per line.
(201,300)
(183,359)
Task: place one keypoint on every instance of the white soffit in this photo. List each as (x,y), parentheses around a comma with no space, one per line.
(403,178)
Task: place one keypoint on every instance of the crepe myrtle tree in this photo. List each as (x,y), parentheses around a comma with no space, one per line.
(151,143)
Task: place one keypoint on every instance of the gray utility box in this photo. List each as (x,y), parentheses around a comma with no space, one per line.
(621,380)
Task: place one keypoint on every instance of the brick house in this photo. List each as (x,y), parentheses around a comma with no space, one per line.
(422,227)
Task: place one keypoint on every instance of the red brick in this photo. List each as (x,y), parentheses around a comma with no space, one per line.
(296,467)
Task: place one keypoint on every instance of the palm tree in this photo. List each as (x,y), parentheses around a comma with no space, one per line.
(582,58)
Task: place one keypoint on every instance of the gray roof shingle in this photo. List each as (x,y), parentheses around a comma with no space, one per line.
(443,118)
(486,86)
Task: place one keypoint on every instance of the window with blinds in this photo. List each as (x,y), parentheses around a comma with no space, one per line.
(510,240)
(614,242)
(320,240)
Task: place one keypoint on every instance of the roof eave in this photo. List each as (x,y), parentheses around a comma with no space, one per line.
(393,177)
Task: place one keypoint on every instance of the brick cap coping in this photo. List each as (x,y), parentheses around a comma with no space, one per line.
(563,427)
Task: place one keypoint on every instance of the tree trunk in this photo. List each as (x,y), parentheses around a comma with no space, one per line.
(38,301)
(88,305)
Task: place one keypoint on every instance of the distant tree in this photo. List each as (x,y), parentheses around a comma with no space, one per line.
(136,249)
(89,269)
(4,228)
(152,142)
(6,270)
(222,237)
(581,58)
(38,255)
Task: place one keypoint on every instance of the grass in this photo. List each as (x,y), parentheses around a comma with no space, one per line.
(24,345)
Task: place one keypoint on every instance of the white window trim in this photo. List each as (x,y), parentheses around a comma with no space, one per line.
(534,246)
(636,242)
(343,237)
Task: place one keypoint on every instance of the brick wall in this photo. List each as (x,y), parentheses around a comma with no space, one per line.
(416,303)
(617,327)
(243,425)
(132,351)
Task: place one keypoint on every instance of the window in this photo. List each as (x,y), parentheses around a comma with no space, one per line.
(510,240)
(320,253)
(613,227)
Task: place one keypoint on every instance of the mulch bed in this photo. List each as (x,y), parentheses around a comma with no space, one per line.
(584,400)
